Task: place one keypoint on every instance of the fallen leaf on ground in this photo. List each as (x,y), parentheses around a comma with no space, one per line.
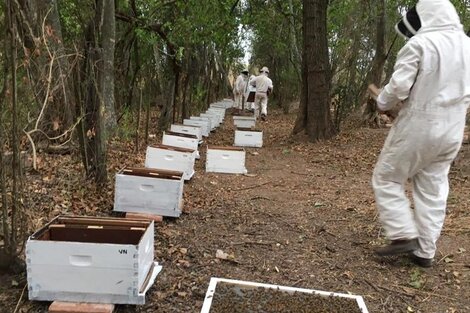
(219,254)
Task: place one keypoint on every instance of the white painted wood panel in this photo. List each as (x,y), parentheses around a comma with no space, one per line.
(188,130)
(228,103)
(64,267)
(225,160)
(209,122)
(215,119)
(244,121)
(203,124)
(218,105)
(171,158)
(248,138)
(181,141)
(219,112)
(149,191)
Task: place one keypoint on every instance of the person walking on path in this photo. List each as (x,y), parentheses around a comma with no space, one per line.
(264,86)
(432,80)
(239,89)
(250,106)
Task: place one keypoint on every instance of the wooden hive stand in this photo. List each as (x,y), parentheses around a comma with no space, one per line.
(144,216)
(75,307)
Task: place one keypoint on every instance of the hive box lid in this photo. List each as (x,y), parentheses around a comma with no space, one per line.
(152,173)
(243,117)
(192,126)
(172,133)
(225,148)
(173,148)
(246,129)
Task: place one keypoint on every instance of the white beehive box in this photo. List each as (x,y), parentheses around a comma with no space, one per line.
(98,260)
(247,137)
(209,121)
(215,118)
(229,160)
(238,284)
(225,104)
(219,112)
(219,106)
(171,158)
(181,141)
(203,124)
(144,190)
(228,103)
(186,129)
(244,121)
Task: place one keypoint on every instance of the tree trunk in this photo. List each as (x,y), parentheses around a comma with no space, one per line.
(108,39)
(375,74)
(389,68)
(11,227)
(185,104)
(91,102)
(147,120)
(296,57)
(3,186)
(167,110)
(176,83)
(130,96)
(80,115)
(314,116)
(381,53)
(99,88)
(137,126)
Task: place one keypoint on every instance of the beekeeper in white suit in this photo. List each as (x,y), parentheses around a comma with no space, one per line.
(264,86)
(239,89)
(250,106)
(432,79)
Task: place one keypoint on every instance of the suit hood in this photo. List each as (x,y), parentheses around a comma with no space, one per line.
(429,15)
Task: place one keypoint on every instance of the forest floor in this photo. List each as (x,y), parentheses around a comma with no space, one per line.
(304,217)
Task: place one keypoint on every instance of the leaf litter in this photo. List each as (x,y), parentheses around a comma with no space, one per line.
(244,217)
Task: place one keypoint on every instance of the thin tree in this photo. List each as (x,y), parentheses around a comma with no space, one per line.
(374,76)
(314,116)
(13,231)
(99,99)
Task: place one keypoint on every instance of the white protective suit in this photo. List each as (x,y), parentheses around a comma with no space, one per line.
(432,79)
(250,88)
(262,84)
(239,90)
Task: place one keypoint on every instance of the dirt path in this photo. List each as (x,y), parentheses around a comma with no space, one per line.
(304,217)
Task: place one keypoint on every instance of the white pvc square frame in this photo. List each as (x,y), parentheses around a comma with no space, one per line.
(206,307)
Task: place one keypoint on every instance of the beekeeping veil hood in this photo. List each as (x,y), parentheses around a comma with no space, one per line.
(429,15)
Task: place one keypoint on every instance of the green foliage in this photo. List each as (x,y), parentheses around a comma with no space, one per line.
(74,16)
(276,40)
(210,37)
(352,41)
(462,7)
(127,125)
